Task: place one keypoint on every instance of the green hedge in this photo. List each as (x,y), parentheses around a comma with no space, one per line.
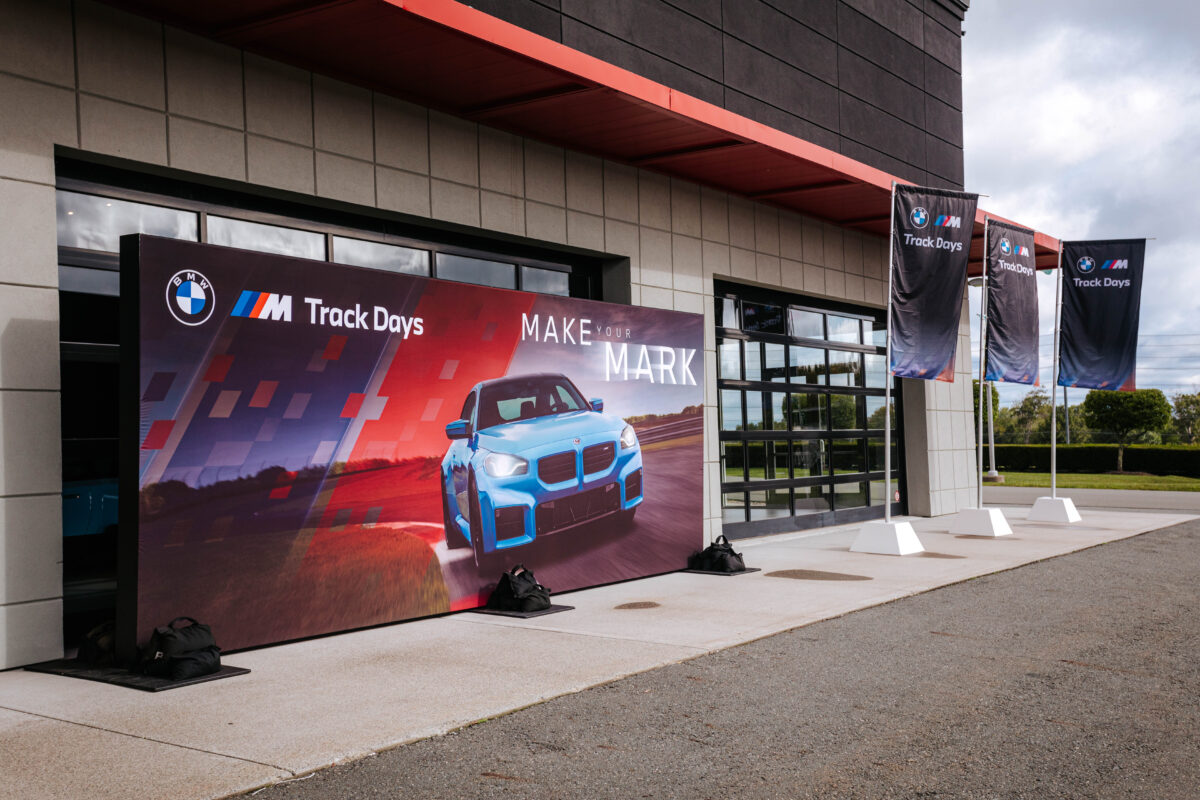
(1154,459)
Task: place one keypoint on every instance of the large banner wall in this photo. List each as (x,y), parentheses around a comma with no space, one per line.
(1012,305)
(319,447)
(931,241)
(1101,308)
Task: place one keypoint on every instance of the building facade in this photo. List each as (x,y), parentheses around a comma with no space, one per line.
(117,122)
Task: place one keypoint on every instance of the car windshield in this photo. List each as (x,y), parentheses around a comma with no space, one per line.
(525,398)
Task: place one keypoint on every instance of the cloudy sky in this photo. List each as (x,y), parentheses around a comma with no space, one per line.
(1082,120)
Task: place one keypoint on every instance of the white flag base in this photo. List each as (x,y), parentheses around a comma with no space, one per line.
(887,538)
(981,522)
(1054,509)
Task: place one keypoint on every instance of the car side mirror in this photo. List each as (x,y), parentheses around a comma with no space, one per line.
(459,429)
(597,404)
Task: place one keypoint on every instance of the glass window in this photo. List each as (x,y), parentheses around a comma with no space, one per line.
(851,495)
(807,365)
(754,410)
(846,456)
(811,500)
(545,281)
(729,355)
(845,369)
(845,329)
(727,312)
(733,507)
(808,458)
(733,461)
(876,371)
(265,238)
(875,454)
(774,362)
(89,281)
(476,270)
(731,410)
(753,361)
(762,318)
(98,223)
(806,324)
(879,490)
(845,411)
(779,460)
(875,413)
(806,412)
(876,332)
(376,255)
(776,418)
(770,504)
(766,461)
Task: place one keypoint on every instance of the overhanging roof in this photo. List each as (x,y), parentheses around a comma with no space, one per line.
(448,56)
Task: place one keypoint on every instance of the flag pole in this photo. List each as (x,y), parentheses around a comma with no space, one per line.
(885,536)
(887,384)
(1055,508)
(1054,382)
(982,338)
(980,521)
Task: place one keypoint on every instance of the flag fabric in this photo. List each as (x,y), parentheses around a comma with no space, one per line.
(931,240)
(1012,305)
(1102,299)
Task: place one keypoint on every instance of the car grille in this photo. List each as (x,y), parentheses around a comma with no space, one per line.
(568,511)
(598,457)
(510,522)
(633,485)
(557,468)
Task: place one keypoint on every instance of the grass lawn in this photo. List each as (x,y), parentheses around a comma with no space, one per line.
(1078,480)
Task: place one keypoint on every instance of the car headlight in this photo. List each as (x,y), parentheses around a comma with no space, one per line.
(628,438)
(502,465)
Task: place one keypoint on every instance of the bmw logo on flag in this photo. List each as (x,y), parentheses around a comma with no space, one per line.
(190,297)
(919,217)
(1086,264)
(1005,247)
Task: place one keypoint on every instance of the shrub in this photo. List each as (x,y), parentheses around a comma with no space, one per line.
(1153,459)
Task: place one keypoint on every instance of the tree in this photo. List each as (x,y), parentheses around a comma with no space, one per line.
(1028,413)
(1187,416)
(1127,415)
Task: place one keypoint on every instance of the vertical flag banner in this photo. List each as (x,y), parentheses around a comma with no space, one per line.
(1102,297)
(931,237)
(1012,305)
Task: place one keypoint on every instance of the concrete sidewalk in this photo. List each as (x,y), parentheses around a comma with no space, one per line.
(311,704)
(1096,498)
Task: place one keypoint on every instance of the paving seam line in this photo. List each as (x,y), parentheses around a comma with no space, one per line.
(148,739)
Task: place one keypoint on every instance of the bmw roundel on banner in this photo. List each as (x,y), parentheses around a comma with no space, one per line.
(1102,297)
(931,240)
(1012,305)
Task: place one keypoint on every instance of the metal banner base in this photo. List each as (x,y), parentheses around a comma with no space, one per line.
(887,538)
(981,522)
(1054,509)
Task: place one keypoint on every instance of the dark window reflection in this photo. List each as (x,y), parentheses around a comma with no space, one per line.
(847,456)
(845,411)
(770,504)
(851,495)
(806,412)
(545,281)
(808,458)
(762,318)
(476,270)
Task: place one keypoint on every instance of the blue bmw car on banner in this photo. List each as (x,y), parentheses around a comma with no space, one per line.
(530,457)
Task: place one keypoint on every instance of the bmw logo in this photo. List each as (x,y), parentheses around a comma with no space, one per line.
(919,217)
(190,297)
(1005,247)
(1086,264)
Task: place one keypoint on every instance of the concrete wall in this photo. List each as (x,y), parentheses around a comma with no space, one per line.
(877,80)
(86,76)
